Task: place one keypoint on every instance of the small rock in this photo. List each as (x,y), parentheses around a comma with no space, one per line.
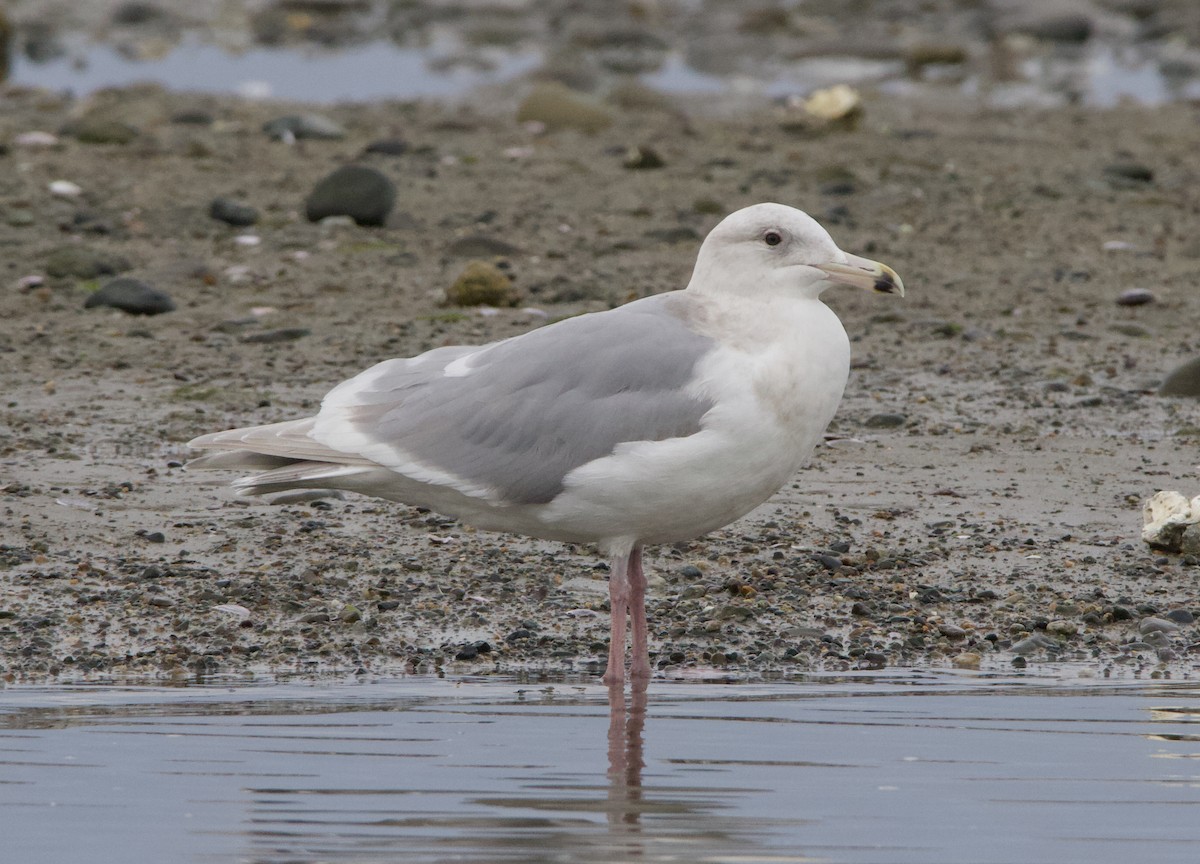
(1156,625)
(296,126)
(967,660)
(364,194)
(35,139)
(1033,644)
(1062,627)
(1131,173)
(65,189)
(917,57)
(642,158)
(232,212)
(1180,616)
(155,537)
(473,650)
(83,263)
(481,246)
(270,337)
(1054,24)
(349,614)
(388,147)
(482,284)
(1165,516)
(1182,380)
(840,103)
(558,107)
(952,631)
(132,296)
(885,421)
(193,117)
(1135,297)
(1189,543)
(102,130)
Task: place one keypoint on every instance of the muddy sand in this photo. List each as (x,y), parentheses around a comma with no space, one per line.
(979,502)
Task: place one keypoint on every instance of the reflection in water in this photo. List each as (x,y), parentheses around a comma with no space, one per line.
(910,770)
(625,762)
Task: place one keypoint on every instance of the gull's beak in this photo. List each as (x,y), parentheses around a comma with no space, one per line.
(864,273)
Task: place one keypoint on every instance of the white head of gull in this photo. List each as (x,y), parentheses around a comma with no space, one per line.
(655,422)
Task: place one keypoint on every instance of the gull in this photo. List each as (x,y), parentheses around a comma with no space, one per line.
(654,422)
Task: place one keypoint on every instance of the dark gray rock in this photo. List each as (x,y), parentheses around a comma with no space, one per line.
(1183,380)
(283,334)
(232,212)
(132,296)
(1131,174)
(388,147)
(364,194)
(885,421)
(1135,297)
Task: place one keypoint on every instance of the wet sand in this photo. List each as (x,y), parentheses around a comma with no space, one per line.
(983,489)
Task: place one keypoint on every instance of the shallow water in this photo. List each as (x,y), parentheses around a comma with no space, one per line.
(890,767)
(1100,75)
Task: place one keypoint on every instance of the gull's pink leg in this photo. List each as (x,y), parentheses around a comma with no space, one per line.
(640,667)
(618,599)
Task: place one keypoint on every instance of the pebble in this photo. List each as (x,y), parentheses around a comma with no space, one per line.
(952,631)
(35,139)
(132,296)
(193,117)
(232,212)
(1062,627)
(482,284)
(1135,297)
(234,609)
(1054,25)
(1156,625)
(967,660)
(885,421)
(1128,173)
(102,130)
(83,262)
(1180,616)
(387,147)
(270,337)
(1033,644)
(65,189)
(298,126)
(473,650)
(1183,380)
(557,107)
(349,614)
(362,193)
(642,158)
(481,246)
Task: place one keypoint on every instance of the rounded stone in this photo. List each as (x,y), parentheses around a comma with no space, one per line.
(362,193)
(232,212)
(132,296)
(482,284)
(1182,380)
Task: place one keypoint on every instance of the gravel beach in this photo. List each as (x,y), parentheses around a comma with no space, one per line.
(979,503)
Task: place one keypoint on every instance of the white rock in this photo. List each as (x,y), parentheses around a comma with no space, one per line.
(35,138)
(833,103)
(234,609)
(65,189)
(1166,516)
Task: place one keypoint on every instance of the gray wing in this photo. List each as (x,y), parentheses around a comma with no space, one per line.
(508,421)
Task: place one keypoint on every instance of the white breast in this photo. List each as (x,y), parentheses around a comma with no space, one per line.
(775,384)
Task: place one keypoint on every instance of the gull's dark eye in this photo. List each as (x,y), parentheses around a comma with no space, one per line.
(772,238)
